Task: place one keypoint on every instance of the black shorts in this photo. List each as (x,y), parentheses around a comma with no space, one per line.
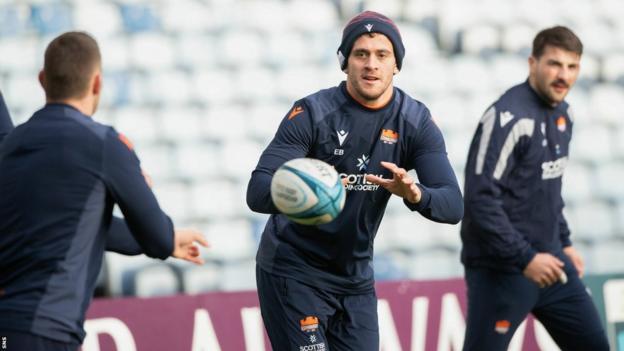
(304,318)
(21,341)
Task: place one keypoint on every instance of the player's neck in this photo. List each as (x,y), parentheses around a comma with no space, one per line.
(84,105)
(373,104)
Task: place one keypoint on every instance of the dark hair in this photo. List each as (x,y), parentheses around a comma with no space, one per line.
(560,37)
(69,61)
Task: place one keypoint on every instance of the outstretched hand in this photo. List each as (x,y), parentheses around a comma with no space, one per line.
(401,183)
(185,246)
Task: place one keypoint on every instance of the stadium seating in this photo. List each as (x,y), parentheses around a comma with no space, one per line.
(201,86)
(156,280)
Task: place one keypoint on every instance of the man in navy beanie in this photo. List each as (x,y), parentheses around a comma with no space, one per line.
(316,283)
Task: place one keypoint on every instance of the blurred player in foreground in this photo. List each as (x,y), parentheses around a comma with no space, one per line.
(517,251)
(61,173)
(315,283)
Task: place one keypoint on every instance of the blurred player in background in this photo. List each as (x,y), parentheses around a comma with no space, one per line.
(6,125)
(517,251)
(61,173)
(316,283)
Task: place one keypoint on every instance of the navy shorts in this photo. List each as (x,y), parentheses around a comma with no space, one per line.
(304,318)
(498,302)
(21,341)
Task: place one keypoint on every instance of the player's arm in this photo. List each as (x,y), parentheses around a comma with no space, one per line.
(437,196)
(441,199)
(494,154)
(120,239)
(146,225)
(6,125)
(292,140)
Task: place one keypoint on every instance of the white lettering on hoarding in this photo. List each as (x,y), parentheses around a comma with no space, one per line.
(204,336)
(388,337)
(518,338)
(544,340)
(420,313)
(452,324)
(253,329)
(114,327)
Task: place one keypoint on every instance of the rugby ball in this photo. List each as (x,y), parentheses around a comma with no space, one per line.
(308,191)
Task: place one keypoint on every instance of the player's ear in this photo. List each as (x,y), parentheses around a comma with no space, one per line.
(396,70)
(96,85)
(42,80)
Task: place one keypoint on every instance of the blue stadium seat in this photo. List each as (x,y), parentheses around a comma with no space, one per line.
(613,67)
(609,182)
(120,271)
(117,91)
(140,124)
(99,18)
(578,184)
(13,19)
(240,275)
(194,160)
(156,280)
(481,39)
(184,16)
(200,279)
(593,221)
(139,17)
(174,198)
(51,18)
(435,264)
(607,257)
(387,269)
(230,240)
(150,52)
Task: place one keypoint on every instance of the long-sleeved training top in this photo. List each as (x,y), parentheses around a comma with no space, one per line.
(331,126)
(512,190)
(60,175)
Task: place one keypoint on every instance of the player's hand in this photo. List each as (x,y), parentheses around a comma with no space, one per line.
(185,246)
(401,183)
(544,269)
(576,259)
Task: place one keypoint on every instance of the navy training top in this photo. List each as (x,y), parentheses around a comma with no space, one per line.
(512,190)
(60,175)
(331,126)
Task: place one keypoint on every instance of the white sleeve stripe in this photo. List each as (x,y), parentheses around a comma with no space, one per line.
(486,132)
(524,127)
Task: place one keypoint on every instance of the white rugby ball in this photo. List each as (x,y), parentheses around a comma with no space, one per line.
(308,191)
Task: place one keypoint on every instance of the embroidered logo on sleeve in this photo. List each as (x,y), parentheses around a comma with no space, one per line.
(126,141)
(295,111)
(561,124)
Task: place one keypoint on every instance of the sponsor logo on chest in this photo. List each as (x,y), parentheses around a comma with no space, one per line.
(554,169)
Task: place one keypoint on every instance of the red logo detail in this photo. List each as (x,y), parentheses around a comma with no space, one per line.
(126,141)
(309,324)
(502,326)
(561,124)
(295,111)
(389,136)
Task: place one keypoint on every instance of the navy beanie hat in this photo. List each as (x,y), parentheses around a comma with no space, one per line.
(370,22)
